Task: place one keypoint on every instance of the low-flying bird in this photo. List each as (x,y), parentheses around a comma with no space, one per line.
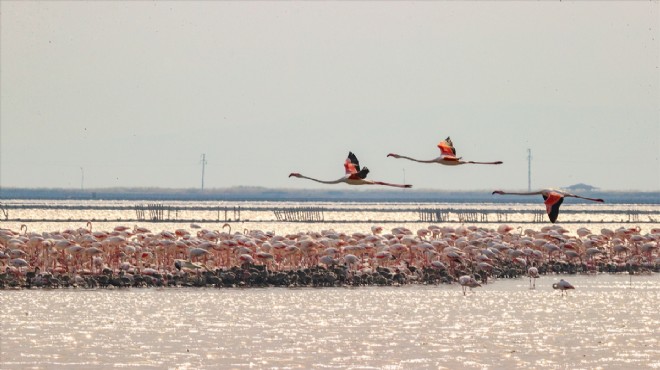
(447,156)
(552,199)
(354,175)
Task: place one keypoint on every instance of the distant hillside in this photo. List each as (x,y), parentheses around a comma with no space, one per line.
(265,194)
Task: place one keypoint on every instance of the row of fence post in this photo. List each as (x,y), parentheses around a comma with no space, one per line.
(437,215)
(300,214)
(160,212)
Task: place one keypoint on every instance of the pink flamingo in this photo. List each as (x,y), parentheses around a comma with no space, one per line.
(354,175)
(447,156)
(552,199)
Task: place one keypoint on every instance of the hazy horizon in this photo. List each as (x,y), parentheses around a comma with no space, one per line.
(132,94)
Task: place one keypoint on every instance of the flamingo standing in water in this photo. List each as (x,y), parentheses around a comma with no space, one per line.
(552,199)
(533,274)
(563,285)
(447,156)
(354,175)
(467,281)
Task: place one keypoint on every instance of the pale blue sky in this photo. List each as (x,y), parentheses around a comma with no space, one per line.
(135,92)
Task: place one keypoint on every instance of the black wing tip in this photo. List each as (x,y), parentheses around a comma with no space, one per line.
(553,214)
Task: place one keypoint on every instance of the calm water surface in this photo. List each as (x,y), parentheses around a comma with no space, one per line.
(609,322)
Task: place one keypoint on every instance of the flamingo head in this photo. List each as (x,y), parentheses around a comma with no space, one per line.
(295,174)
(393,155)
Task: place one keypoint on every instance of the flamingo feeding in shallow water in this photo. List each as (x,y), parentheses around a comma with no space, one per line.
(467,281)
(563,285)
(354,175)
(552,199)
(447,156)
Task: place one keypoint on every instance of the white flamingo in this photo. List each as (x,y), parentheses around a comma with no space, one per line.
(354,175)
(467,281)
(533,274)
(552,199)
(447,156)
(563,285)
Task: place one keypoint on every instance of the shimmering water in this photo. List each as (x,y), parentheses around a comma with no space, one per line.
(608,322)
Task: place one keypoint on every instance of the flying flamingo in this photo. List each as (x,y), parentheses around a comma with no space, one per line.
(447,156)
(354,175)
(552,199)
(563,285)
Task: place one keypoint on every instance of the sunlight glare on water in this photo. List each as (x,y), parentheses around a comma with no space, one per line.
(608,321)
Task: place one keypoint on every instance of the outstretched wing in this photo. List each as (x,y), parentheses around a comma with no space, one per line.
(447,147)
(352,165)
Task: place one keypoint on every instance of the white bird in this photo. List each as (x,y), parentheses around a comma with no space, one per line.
(354,175)
(552,199)
(563,285)
(533,274)
(467,281)
(447,156)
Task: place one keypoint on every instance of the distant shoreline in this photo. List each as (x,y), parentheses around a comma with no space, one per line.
(304,195)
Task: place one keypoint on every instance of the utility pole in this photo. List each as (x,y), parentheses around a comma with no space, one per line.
(529,170)
(203,162)
(82,178)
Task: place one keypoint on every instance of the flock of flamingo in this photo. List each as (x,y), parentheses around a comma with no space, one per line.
(436,254)
(356,176)
(469,255)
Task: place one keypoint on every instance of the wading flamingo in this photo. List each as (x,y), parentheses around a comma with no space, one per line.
(552,199)
(447,156)
(354,175)
(533,274)
(468,281)
(563,285)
